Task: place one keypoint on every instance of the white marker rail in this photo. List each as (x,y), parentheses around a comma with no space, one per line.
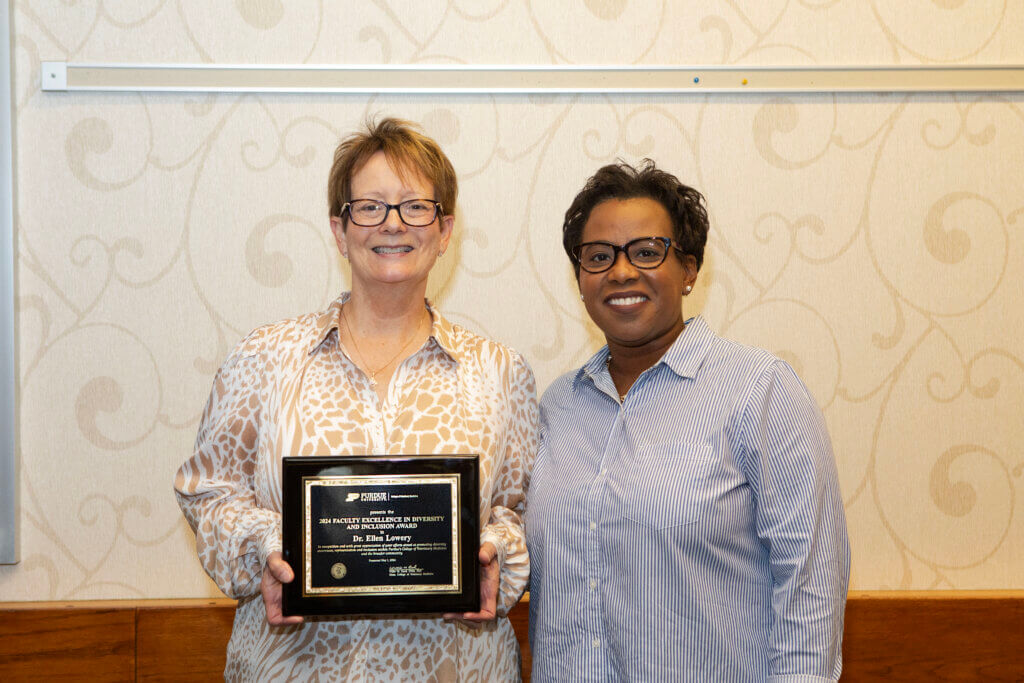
(526,79)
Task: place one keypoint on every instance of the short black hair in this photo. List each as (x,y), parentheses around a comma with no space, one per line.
(685,205)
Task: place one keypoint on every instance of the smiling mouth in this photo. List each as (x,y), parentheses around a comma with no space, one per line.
(626,300)
(392,250)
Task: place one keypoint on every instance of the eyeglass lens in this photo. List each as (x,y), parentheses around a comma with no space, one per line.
(642,253)
(370,212)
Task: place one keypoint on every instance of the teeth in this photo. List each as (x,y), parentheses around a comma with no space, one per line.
(626,300)
(391,250)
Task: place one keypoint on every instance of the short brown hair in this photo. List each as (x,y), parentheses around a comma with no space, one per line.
(405,147)
(685,205)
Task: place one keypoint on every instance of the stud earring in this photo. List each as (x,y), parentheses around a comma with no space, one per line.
(688,288)
(581,297)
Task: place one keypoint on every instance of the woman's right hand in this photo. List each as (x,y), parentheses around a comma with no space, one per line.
(276,573)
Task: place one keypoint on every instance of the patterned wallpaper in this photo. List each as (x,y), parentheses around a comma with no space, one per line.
(874,241)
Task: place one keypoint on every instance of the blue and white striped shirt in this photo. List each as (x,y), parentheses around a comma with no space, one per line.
(695,532)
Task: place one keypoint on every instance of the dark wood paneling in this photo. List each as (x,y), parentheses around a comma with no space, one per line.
(520,618)
(897,636)
(934,638)
(176,643)
(67,644)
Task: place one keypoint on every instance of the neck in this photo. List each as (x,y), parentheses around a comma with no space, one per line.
(388,312)
(628,361)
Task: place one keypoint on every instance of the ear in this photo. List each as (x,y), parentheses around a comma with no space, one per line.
(689,270)
(447,225)
(338,228)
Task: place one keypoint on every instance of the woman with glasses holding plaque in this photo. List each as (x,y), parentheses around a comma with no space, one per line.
(684,519)
(378,372)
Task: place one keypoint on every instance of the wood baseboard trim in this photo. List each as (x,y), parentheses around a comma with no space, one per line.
(890,636)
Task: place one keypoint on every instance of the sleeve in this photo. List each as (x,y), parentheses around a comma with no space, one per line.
(215,487)
(508,499)
(800,521)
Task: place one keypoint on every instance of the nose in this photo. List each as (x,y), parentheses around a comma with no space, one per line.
(622,270)
(393,221)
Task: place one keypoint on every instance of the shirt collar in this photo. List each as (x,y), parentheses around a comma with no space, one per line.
(684,357)
(597,364)
(442,331)
(690,348)
(327,321)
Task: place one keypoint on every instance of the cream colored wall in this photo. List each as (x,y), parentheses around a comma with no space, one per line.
(874,241)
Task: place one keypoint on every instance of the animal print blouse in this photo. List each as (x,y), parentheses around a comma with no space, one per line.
(290,388)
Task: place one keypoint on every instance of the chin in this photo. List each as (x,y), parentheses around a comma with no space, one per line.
(397,276)
(625,338)
(626,333)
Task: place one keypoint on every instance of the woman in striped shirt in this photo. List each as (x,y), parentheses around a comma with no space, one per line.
(684,519)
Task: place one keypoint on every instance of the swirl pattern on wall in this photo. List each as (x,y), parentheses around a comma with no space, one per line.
(872,241)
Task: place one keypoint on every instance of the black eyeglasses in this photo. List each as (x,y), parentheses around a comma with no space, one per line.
(370,213)
(644,252)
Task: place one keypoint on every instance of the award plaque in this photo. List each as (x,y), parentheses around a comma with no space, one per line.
(381,534)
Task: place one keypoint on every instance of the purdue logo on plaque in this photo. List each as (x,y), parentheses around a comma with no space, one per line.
(381,534)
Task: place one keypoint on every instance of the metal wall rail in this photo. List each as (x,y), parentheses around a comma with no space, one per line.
(8,429)
(447,79)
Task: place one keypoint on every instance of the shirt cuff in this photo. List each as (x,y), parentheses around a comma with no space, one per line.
(499,545)
(270,542)
(800,678)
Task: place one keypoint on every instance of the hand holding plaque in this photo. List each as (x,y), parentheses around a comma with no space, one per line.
(276,574)
(490,583)
(376,534)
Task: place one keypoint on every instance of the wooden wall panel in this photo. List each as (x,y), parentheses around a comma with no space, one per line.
(67,644)
(183,642)
(918,637)
(897,636)
(520,618)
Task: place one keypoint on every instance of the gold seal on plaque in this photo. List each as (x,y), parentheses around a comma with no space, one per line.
(338,570)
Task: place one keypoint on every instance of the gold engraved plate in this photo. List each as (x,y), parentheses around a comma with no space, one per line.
(381,534)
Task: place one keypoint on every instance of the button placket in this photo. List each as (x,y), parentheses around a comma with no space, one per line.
(595,496)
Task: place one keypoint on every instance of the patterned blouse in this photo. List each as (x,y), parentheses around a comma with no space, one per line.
(290,388)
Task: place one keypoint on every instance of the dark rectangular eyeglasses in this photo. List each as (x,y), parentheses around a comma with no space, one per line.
(643,252)
(370,213)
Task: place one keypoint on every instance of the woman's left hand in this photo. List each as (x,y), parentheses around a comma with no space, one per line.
(490,575)
(275,574)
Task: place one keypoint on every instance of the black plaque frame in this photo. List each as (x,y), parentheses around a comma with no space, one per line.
(299,476)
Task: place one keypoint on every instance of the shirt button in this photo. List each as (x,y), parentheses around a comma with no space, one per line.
(604,471)
(593,525)
(595,642)
(593,584)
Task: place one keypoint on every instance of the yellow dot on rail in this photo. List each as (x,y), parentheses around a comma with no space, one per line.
(744,81)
